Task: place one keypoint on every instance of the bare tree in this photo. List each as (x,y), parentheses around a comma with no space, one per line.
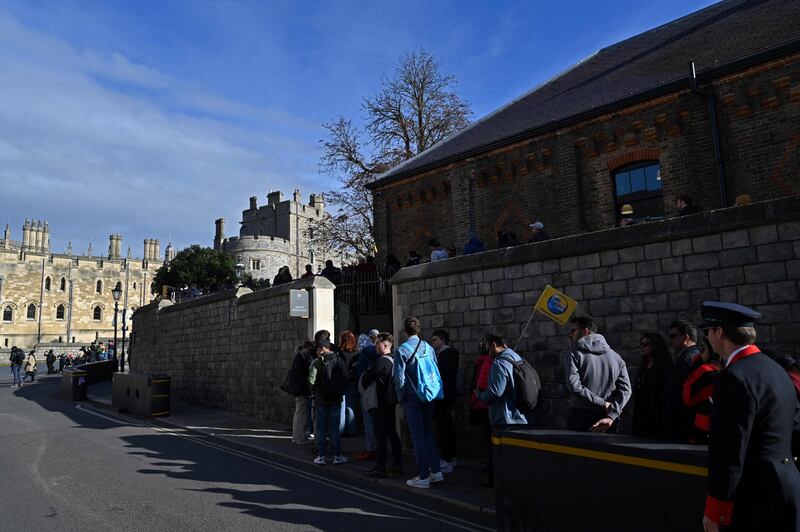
(414,109)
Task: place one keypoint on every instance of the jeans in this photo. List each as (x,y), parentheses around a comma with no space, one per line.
(420,423)
(15,371)
(443,418)
(328,428)
(369,428)
(384,419)
(310,420)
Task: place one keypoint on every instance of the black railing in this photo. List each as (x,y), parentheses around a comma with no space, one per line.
(363,294)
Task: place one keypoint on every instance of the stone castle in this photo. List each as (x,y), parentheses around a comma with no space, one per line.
(61,297)
(275,235)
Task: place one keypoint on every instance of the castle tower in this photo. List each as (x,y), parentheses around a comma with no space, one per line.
(111,247)
(253,203)
(46,241)
(273,198)
(219,235)
(317,201)
(147,248)
(37,236)
(26,235)
(119,246)
(156,249)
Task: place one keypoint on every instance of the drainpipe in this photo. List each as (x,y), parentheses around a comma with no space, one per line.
(712,112)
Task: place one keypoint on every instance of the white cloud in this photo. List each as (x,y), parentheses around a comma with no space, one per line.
(96,144)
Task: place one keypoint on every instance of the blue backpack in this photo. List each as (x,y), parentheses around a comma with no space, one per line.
(429,382)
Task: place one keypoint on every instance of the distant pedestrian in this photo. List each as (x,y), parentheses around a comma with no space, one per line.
(474,244)
(753,483)
(331,272)
(447,357)
(413,258)
(678,418)
(62,360)
(50,359)
(538,234)
(17,358)
(383,410)
(284,276)
(300,366)
(30,366)
(309,272)
(597,378)
(327,378)
(685,205)
(648,386)
(437,252)
(415,354)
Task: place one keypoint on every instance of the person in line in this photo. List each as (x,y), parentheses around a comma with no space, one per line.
(685,205)
(753,483)
(678,418)
(300,366)
(648,386)
(284,276)
(478,410)
(792,368)
(391,267)
(367,355)
(447,358)
(597,378)
(309,272)
(499,394)
(327,378)
(331,272)
(383,415)
(30,366)
(697,392)
(347,420)
(419,414)
(413,258)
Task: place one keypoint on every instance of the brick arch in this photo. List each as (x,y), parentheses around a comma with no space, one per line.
(642,154)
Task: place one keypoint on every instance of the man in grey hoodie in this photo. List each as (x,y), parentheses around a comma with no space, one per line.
(597,377)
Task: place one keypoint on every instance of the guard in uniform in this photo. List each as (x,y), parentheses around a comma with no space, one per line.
(753,483)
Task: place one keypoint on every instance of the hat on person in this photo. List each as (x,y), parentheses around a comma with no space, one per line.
(324,342)
(627,209)
(743,199)
(717,314)
(373,333)
(537,225)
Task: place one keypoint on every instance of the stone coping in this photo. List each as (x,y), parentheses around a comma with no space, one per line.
(703,223)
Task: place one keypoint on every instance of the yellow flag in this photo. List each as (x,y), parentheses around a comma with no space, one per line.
(556,305)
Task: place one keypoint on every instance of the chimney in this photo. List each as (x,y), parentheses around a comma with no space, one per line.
(26,235)
(296,196)
(46,240)
(111,247)
(273,198)
(146,255)
(118,246)
(219,236)
(253,203)
(156,250)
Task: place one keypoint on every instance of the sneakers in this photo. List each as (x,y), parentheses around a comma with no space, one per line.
(320,460)
(375,473)
(447,467)
(436,477)
(417,482)
(363,456)
(339,459)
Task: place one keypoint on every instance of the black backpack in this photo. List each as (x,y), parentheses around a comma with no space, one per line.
(18,358)
(527,384)
(333,378)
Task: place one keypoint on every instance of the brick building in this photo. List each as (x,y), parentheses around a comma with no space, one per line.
(640,122)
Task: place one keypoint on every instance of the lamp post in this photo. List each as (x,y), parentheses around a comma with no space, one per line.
(116,293)
(239,272)
(122,352)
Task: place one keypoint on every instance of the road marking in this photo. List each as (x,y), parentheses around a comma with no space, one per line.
(92,411)
(605,456)
(372,496)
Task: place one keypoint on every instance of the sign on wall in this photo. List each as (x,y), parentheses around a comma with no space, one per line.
(556,305)
(298,304)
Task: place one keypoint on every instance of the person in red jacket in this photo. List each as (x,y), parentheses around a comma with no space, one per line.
(478,410)
(697,391)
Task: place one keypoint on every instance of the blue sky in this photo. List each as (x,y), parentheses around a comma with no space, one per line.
(153,118)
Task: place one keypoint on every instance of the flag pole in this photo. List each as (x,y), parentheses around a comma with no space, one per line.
(525,329)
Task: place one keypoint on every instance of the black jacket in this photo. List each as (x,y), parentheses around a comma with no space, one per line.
(753,483)
(447,360)
(300,367)
(678,418)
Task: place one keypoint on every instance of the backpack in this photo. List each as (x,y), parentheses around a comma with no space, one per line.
(18,358)
(527,384)
(429,381)
(334,378)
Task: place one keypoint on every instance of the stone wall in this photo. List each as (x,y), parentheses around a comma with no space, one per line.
(230,350)
(631,280)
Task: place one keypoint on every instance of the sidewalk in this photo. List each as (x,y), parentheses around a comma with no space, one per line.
(460,489)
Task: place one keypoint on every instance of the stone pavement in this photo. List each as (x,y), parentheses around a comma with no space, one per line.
(459,491)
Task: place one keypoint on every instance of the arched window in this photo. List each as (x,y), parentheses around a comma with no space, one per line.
(97,315)
(31,312)
(47,284)
(63,286)
(8,314)
(99,287)
(639,186)
(60,312)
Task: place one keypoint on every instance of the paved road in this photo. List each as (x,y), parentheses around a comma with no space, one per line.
(85,468)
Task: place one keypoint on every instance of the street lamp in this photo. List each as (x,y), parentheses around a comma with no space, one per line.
(239,272)
(122,352)
(116,293)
